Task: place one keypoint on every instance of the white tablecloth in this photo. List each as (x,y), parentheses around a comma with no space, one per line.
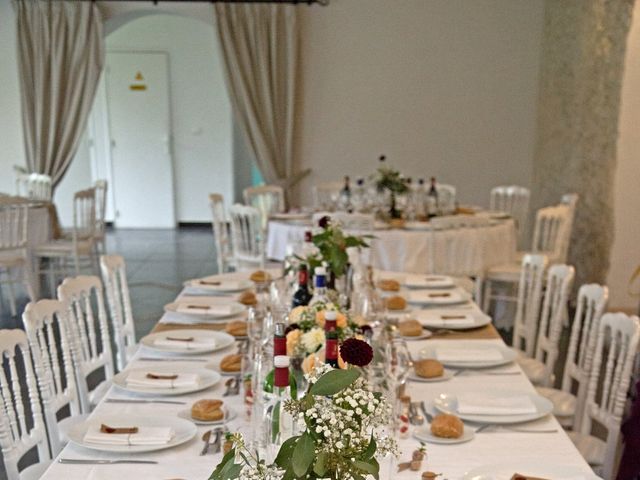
(458,251)
(452,461)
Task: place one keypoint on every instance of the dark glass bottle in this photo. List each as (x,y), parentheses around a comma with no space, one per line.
(331,348)
(302,295)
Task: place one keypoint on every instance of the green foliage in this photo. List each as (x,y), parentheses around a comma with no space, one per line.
(334,381)
(332,243)
(390,179)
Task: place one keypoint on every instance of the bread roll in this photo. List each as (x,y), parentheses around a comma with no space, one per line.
(389,285)
(207,410)
(248,298)
(237,328)
(428,368)
(231,363)
(410,328)
(396,303)
(260,276)
(445,425)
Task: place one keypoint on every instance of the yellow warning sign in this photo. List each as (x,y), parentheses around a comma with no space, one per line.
(139,83)
(139,77)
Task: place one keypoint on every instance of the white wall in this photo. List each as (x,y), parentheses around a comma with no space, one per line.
(11,142)
(200,109)
(625,255)
(442,87)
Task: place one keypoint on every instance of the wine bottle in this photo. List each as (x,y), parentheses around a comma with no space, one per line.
(320,290)
(331,348)
(281,424)
(433,198)
(330,320)
(345,195)
(302,295)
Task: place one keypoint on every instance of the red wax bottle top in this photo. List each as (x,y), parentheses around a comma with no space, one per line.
(280,345)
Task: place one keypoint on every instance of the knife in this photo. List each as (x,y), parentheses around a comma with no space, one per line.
(132,400)
(172,359)
(82,461)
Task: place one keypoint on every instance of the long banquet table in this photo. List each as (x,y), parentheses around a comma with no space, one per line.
(420,251)
(184,461)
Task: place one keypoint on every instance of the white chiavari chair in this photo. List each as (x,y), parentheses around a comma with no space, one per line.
(446,198)
(114,276)
(100,187)
(514,200)
(47,327)
(267,199)
(528,306)
(21,428)
(35,186)
(78,248)
(539,369)
(221,234)
(570,200)
(14,255)
(247,236)
(568,406)
(325,195)
(616,347)
(91,342)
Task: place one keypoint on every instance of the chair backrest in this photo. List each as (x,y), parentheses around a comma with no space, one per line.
(554,311)
(46,324)
(35,186)
(247,235)
(267,199)
(114,276)
(21,428)
(91,342)
(325,195)
(514,200)
(571,201)
(590,305)
(84,214)
(219,225)
(528,306)
(14,219)
(100,187)
(446,198)
(616,347)
(550,233)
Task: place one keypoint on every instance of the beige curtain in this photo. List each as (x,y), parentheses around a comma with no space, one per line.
(259,45)
(60,58)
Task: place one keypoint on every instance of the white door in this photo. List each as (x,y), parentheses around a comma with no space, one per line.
(139,122)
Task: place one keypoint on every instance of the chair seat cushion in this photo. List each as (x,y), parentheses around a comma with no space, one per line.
(35,471)
(534,370)
(63,248)
(506,272)
(564,403)
(591,448)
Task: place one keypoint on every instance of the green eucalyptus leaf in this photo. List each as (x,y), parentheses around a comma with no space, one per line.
(334,381)
(368,467)
(283,459)
(370,450)
(319,467)
(228,457)
(303,455)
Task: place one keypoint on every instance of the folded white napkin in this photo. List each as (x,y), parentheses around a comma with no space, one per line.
(428,281)
(196,343)
(145,436)
(435,297)
(488,404)
(222,284)
(200,309)
(437,319)
(138,378)
(468,355)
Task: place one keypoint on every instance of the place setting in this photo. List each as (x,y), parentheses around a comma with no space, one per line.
(165,380)
(188,341)
(199,308)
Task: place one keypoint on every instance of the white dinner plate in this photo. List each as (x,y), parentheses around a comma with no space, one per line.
(508,356)
(424,434)
(183,432)
(290,216)
(235,308)
(223,286)
(220,340)
(504,471)
(432,319)
(417,226)
(208,378)
(447,375)
(438,297)
(448,403)
(428,281)
(229,414)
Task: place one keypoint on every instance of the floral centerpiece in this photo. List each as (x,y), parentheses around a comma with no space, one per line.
(387,178)
(332,244)
(342,423)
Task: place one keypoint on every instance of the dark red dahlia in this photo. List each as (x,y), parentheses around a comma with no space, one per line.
(290,327)
(356,352)
(324,221)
